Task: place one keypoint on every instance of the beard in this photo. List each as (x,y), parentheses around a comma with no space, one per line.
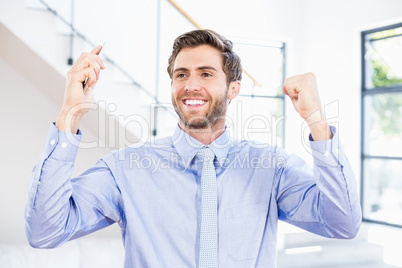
(215,113)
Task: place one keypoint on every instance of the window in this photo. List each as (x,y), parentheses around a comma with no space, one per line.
(260,109)
(382,125)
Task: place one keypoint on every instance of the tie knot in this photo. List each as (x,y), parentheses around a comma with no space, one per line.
(206,154)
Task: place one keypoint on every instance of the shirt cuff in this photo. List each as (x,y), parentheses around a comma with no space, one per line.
(62,145)
(327,152)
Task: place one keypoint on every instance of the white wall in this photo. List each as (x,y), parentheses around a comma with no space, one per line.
(23,129)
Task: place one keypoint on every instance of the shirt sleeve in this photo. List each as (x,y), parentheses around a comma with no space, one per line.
(323,200)
(61,208)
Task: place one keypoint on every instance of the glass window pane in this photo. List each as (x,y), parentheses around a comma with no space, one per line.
(384,59)
(265,65)
(383,124)
(383,190)
(259,119)
(385,33)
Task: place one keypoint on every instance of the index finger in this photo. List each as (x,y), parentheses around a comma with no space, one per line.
(97,50)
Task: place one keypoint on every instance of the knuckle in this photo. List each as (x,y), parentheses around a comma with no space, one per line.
(311,75)
(70,74)
(308,78)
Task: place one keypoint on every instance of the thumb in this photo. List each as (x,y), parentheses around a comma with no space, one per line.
(285,91)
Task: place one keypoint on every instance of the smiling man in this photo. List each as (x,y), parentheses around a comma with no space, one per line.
(212,203)
(200,90)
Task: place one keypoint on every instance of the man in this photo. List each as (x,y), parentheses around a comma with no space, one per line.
(175,215)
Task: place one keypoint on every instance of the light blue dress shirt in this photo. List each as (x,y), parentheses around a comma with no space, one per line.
(153,192)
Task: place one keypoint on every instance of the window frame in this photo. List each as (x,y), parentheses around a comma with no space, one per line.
(280,97)
(365,91)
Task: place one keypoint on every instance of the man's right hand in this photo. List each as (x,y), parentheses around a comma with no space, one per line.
(77,100)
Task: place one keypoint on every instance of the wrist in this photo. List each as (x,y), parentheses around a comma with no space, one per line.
(320,131)
(316,117)
(68,121)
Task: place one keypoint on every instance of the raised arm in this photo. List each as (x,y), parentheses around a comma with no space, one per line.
(324,201)
(59,207)
(79,96)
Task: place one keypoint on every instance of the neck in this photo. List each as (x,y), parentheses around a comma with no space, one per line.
(204,135)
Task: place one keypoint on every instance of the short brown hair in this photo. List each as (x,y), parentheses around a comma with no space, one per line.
(231,63)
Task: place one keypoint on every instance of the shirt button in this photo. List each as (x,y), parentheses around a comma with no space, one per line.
(326,153)
(52,142)
(64,145)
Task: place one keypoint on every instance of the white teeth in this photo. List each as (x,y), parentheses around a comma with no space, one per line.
(194,102)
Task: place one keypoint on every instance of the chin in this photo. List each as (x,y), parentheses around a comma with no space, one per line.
(197,123)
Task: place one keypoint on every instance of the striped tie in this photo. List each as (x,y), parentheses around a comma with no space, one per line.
(208,257)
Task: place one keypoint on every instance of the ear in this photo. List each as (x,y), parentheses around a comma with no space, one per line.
(234,90)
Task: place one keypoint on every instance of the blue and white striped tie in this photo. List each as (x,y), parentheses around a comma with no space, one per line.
(208,255)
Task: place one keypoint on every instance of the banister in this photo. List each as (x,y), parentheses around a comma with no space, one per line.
(175,5)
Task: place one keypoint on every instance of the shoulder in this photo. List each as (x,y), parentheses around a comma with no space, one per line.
(257,155)
(160,146)
(255,147)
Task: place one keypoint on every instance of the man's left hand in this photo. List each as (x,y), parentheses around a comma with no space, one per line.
(303,92)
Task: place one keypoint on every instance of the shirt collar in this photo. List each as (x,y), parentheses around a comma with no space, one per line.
(187,146)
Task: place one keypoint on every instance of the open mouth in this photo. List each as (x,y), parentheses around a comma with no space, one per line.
(194,102)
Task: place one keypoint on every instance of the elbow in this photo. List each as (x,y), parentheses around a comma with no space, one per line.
(38,243)
(350,230)
(347,225)
(354,230)
(355,225)
(38,239)
(35,241)
(352,233)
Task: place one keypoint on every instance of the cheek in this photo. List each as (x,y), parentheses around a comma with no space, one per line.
(174,91)
(220,92)
(176,87)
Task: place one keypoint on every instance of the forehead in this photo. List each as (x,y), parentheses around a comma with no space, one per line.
(203,55)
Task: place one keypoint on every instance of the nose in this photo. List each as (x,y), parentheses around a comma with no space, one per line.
(192,84)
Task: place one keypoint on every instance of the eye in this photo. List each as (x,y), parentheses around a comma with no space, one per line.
(206,75)
(180,75)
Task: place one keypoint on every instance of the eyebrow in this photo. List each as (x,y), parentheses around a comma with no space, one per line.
(182,69)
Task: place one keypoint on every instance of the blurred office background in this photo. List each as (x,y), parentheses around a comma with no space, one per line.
(353,47)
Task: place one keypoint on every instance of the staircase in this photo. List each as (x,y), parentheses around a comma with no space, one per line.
(37,43)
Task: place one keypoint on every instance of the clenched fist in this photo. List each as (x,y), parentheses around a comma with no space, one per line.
(302,91)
